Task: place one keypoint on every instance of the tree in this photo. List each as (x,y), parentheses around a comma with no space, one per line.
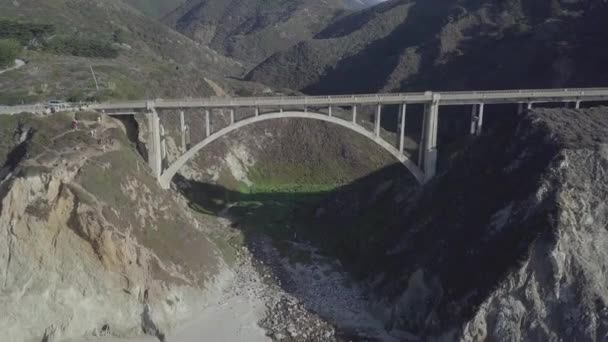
(9,50)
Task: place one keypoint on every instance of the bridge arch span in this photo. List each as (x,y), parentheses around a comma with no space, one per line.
(167,175)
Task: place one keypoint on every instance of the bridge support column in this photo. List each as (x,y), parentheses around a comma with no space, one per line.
(577,105)
(231,116)
(329,110)
(530,105)
(154,143)
(378,120)
(163,143)
(431,118)
(207,123)
(355,114)
(479,119)
(520,108)
(473,119)
(182,129)
(402,112)
(257,111)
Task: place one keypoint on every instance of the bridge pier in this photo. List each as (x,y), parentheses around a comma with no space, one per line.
(473,119)
(329,110)
(154,143)
(355,114)
(431,118)
(207,123)
(182,129)
(378,120)
(402,112)
(530,105)
(480,119)
(232,116)
(577,105)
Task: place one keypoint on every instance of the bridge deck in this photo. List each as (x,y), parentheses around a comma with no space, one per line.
(445,98)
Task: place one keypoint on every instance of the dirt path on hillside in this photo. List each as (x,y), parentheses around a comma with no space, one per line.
(18,64)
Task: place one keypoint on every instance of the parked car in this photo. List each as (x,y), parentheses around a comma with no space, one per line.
(56,105)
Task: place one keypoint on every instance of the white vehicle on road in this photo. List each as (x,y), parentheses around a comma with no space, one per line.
(56,105)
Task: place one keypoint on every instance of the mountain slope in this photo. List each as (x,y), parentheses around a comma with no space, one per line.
(156,8)
(253,30)
(148,60)
(421,45)
(508,244)
(90,244)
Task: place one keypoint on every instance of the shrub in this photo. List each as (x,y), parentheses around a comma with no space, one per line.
(24,32)
(9,49)
(81,46)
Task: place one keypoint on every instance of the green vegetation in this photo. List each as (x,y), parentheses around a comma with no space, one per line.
(82,47)
(37,35)
(24,32)
(9,50)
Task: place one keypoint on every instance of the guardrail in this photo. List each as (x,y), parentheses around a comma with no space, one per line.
(445,98)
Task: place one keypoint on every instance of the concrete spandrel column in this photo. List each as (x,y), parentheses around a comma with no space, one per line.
(480,119)
(354,114)
(530,105)
(257,111)
(520,108)
(207,123)
(329,110)
(378,120)
(402,112)
(473,119)
(577,105)
(431,118)
(232,116)
(422,138)
(182,129)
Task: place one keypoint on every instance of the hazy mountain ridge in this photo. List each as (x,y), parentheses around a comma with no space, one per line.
(447,45)
(253,30)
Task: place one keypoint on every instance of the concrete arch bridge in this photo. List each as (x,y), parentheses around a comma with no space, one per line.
(265,108)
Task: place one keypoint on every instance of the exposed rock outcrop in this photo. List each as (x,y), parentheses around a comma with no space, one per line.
(89,245)
(508,244)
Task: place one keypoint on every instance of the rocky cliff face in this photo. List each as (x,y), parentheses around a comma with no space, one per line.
(508,244)
(89,244)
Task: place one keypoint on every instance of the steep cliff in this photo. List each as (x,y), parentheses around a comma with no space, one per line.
(508,244)
(89,244)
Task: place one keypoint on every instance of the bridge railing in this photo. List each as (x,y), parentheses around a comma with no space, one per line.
(446,98)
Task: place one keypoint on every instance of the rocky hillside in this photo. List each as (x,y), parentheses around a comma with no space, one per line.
(156,8)
(251,31)
(421,45)
(131,54)
(90,245)
(509,243)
